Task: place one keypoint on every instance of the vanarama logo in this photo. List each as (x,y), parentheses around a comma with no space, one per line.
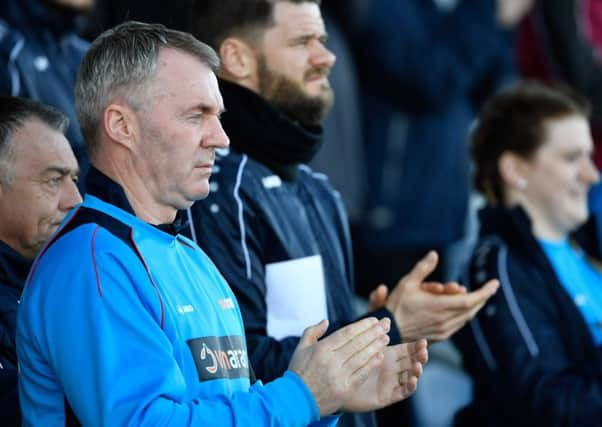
(219,357)
(207,352)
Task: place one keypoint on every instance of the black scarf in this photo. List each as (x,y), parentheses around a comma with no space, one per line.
(266,135)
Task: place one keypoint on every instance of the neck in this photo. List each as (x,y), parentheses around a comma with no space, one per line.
(544,232)
(246,82)
(541,227)
(136,189)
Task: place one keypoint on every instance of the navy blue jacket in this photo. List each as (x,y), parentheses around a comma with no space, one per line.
(422,72)
(256,220)
(40,55)
(529,350)
(13,273)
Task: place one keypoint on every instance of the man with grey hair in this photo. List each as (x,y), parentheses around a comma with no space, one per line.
(124,322)
(38,172)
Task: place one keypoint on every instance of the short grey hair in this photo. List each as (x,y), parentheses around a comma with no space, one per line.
(15,112)
(120,63)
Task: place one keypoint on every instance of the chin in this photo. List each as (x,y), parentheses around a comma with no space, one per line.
(317,88)
(577,220)
(200,194)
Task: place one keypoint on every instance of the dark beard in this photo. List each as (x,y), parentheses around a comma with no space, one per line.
(289,98)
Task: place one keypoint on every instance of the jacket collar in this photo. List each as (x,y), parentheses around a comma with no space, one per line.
(265,134)
(14,267)
(514,226)
(104,188)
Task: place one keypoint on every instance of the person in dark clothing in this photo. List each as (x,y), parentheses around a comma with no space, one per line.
(276,229)
(37,188)
(535,350)
(40,53)
(109,13)
(425,66)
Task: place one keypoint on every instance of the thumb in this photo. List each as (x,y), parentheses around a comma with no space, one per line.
(422,269)
(378,297)
(312,334)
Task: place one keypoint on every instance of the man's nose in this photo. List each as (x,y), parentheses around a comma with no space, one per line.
(322,56)
(217,137)
(70,195)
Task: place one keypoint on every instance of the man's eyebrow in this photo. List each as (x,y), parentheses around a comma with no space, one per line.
(61,170)
(322,36)
(207,109)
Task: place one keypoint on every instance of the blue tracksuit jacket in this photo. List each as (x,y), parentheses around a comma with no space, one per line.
(122,323)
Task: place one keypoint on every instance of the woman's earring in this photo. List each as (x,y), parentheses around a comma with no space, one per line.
(521,184)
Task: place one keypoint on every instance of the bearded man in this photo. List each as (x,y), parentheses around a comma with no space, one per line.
(278,231)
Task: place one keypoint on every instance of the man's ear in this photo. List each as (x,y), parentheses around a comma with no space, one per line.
(120,124)
(239,62)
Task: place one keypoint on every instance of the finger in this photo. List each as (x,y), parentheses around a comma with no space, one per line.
(385,323)
(408,354)
(433,287)
(364,345)
(423,268)
(363,370)
(343,336)
(410,386)
(406,384)
(467,302)
(312,334)
(409,375)
(417,369)
(422,356)
(379,291)
(449,288)
(378,297)
(402,354)
(475,310)
(463,289)
(403,377)
(420,351)
(452,288)
(480,296)
(455,323)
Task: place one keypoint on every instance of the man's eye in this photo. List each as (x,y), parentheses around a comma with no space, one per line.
(55,182)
